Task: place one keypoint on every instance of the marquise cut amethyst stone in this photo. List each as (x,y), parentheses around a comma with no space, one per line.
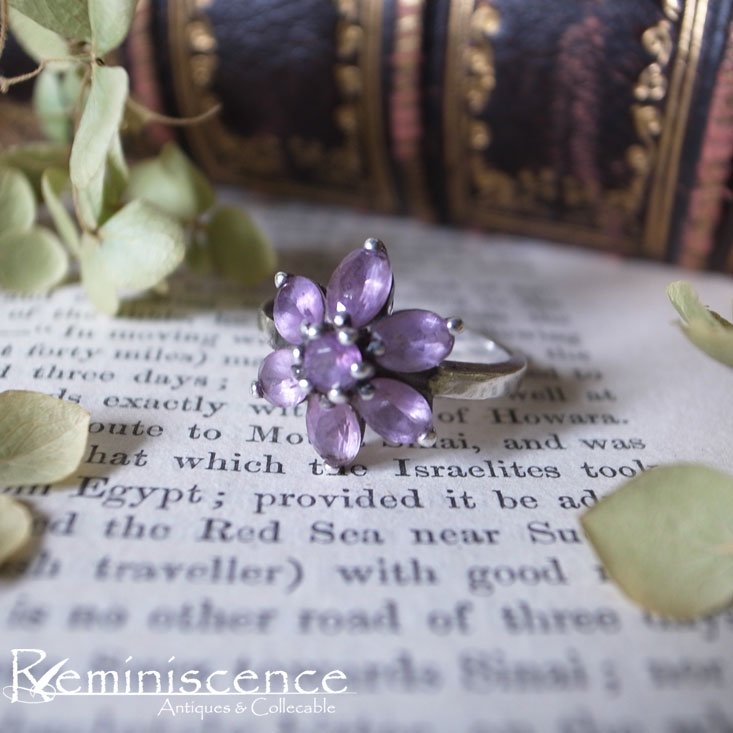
(414,340)
(397,412)
(360,286)
(297,302)
(327,363)
(277,381)
(334,431)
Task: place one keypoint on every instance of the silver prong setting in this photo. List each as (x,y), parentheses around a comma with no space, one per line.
(305,385)
(375,245)
(347,336)
(281,278)
(256,389)
(297,370)
(366,391)
(362,370)
(337,396)
(455,326)
(342,320)
(427,439)
(298,355)
(376,347)
(311,331)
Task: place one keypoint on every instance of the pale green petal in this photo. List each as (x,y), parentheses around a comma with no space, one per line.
(239,250)
(55,181)
(102,197)
(198,258)
(715,342)
(38,42)
(709,331)
(666,538)
(68,18)
(99,124)
(16,524)
(42,438)
(17,201)
(685,300)
(51,107)
(110,21)
(141,246)
(172,183)
(33,159)
(98,284)
(32,261)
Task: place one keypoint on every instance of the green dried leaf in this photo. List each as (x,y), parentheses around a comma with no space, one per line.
(54,183)
(172,183)
(706,329)
(117,174)
(110,21)
(33,159)
(52,107)
(96,279)
(666,538)
(139,247)
(69,18)
(42,438)
(99,124)
(102,197)
(239,249)
(38,42)
(16,524)
(198,258)
(32,261)
(17,201)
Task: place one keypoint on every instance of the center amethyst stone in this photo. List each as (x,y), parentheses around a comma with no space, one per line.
(327,363)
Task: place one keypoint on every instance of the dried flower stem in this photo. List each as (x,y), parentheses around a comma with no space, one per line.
(151,116)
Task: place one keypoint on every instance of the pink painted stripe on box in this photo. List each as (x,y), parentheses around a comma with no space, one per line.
(713,170)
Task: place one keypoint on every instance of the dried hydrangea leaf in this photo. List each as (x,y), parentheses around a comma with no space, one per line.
(69,18)
(666,538)
(99,123)
(38,42)
(706,329)
(32,261)
(141,246)
(34,158)
(173,183)
(17,201)
(239,249)
(110,23)
(42,438)
(16,524)
(54,183)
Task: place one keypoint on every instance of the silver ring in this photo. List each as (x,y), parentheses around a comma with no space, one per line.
(482,377)
(355,362)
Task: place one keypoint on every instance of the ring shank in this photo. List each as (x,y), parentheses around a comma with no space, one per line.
(469,381)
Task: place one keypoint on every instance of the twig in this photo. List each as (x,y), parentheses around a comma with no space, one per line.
(6,83)
(149,115)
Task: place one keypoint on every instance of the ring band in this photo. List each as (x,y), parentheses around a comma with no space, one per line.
(355,362)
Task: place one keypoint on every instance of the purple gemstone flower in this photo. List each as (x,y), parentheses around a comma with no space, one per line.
(347,354)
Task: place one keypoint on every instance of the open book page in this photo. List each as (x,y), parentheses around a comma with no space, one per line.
(444,589)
